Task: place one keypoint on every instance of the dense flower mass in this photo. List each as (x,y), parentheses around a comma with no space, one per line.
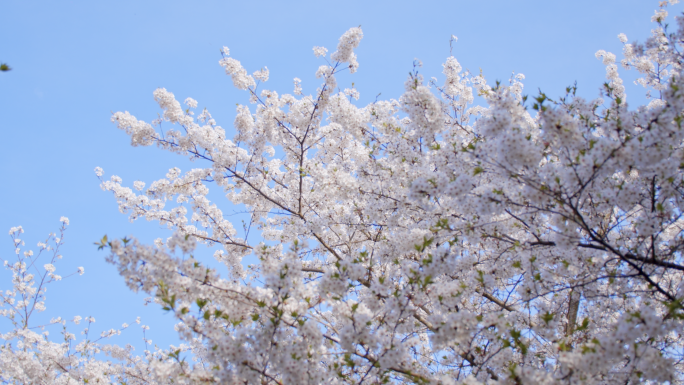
(426,239)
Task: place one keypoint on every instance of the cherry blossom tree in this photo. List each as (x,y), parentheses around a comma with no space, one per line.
(463,233)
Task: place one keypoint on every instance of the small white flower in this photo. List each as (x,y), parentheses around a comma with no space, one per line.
(298,86)
(320,51)
(81,270)
(64,220)
(99,172)
(622,37)
(190,102)
(77,319)
(139,185)
(352,92)
(262,74)
(660,15)
(49,267)
(608,58)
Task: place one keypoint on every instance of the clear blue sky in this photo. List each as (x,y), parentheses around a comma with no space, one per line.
(75,62)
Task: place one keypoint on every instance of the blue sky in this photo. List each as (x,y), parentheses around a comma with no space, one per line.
(76,62)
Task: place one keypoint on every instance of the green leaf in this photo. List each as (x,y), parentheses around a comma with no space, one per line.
(104,242)
(585,325)
(201,303)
